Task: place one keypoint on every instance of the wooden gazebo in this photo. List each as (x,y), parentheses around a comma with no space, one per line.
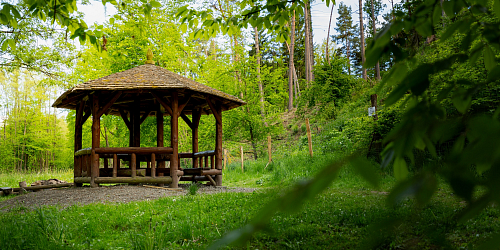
(135,94)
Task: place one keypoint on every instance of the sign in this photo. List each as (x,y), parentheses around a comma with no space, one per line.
(371,111)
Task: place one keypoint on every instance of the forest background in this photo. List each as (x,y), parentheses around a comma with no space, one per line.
(430,70)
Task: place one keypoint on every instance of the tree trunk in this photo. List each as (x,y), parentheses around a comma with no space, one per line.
(309,55)
(261,89)
(328,39)
(362,38)
(377,66)
(290,63)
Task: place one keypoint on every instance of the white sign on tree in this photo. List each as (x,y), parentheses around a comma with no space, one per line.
(371,111)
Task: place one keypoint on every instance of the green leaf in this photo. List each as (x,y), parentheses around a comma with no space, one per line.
(364,168)
(12,43)
(451,30)
(421,186)
(155,4)
(494,74)
(496,8)
(5,44)
(489,58)
(111,21)
(400,169)
(436,15)
(461,100)
(183,28)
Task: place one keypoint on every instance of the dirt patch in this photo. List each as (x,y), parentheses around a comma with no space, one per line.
(65,197)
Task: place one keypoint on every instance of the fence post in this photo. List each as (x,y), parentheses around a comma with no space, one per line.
(241,152)
(225,158)
(309,137)
(269,148)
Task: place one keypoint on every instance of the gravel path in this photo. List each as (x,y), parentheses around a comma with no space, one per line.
(65,197)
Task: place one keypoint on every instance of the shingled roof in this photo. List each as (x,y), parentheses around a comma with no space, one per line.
(142,80)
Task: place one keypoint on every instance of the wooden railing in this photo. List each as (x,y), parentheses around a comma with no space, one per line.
(152,155)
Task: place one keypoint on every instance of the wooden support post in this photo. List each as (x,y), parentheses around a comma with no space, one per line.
(106,166)
(241,152)
(269,148)
(78,141)
(174,160)
(160,136)
(96,138)
(133,165)
(309,137)
(225,158)
(206,161)
(200,159)
(212,161)
(153,165)
(218,143)
(195,123)
(115,165)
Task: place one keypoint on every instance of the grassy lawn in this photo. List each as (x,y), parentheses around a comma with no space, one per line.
(340,218)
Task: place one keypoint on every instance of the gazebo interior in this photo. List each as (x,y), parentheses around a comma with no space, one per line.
(135,94)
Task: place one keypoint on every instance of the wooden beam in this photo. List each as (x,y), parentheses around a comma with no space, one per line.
(109,104)
(194,136)
(167,108)
(135,150)
(136,122)
(181,106)
(214,111)
(143,118)
(135,180)
(86,117)
(186,119)
(74,98)
(125,119)
(159,135)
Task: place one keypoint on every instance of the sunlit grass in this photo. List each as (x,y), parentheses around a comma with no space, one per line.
(13,179)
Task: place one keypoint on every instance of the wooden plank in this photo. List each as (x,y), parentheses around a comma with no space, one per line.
(39,187)
(167,108)
(109,104)
(135,150)
(171,189)
(136,180)
(211,172)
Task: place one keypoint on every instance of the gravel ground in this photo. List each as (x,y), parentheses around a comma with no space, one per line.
(65,197)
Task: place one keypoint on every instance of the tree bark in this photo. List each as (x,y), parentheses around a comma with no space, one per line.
(377,66)
(309,55)
(290,63)
(327,53)
(362,38)
(259,81)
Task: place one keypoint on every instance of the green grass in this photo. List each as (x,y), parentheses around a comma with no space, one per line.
(340,218)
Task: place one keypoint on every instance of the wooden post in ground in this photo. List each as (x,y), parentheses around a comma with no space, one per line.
(309,137)
(174,139)
(159,137)
(218,144)
(225,158)
(241,152)
(195,122)
(78,141)
(96,138)
(269,148)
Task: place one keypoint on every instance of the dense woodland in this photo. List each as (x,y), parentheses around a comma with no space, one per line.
(430,68)
(283,79)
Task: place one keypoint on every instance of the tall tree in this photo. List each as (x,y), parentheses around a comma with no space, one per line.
(291,69)
(346,31)
(309,51)
(362,38)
